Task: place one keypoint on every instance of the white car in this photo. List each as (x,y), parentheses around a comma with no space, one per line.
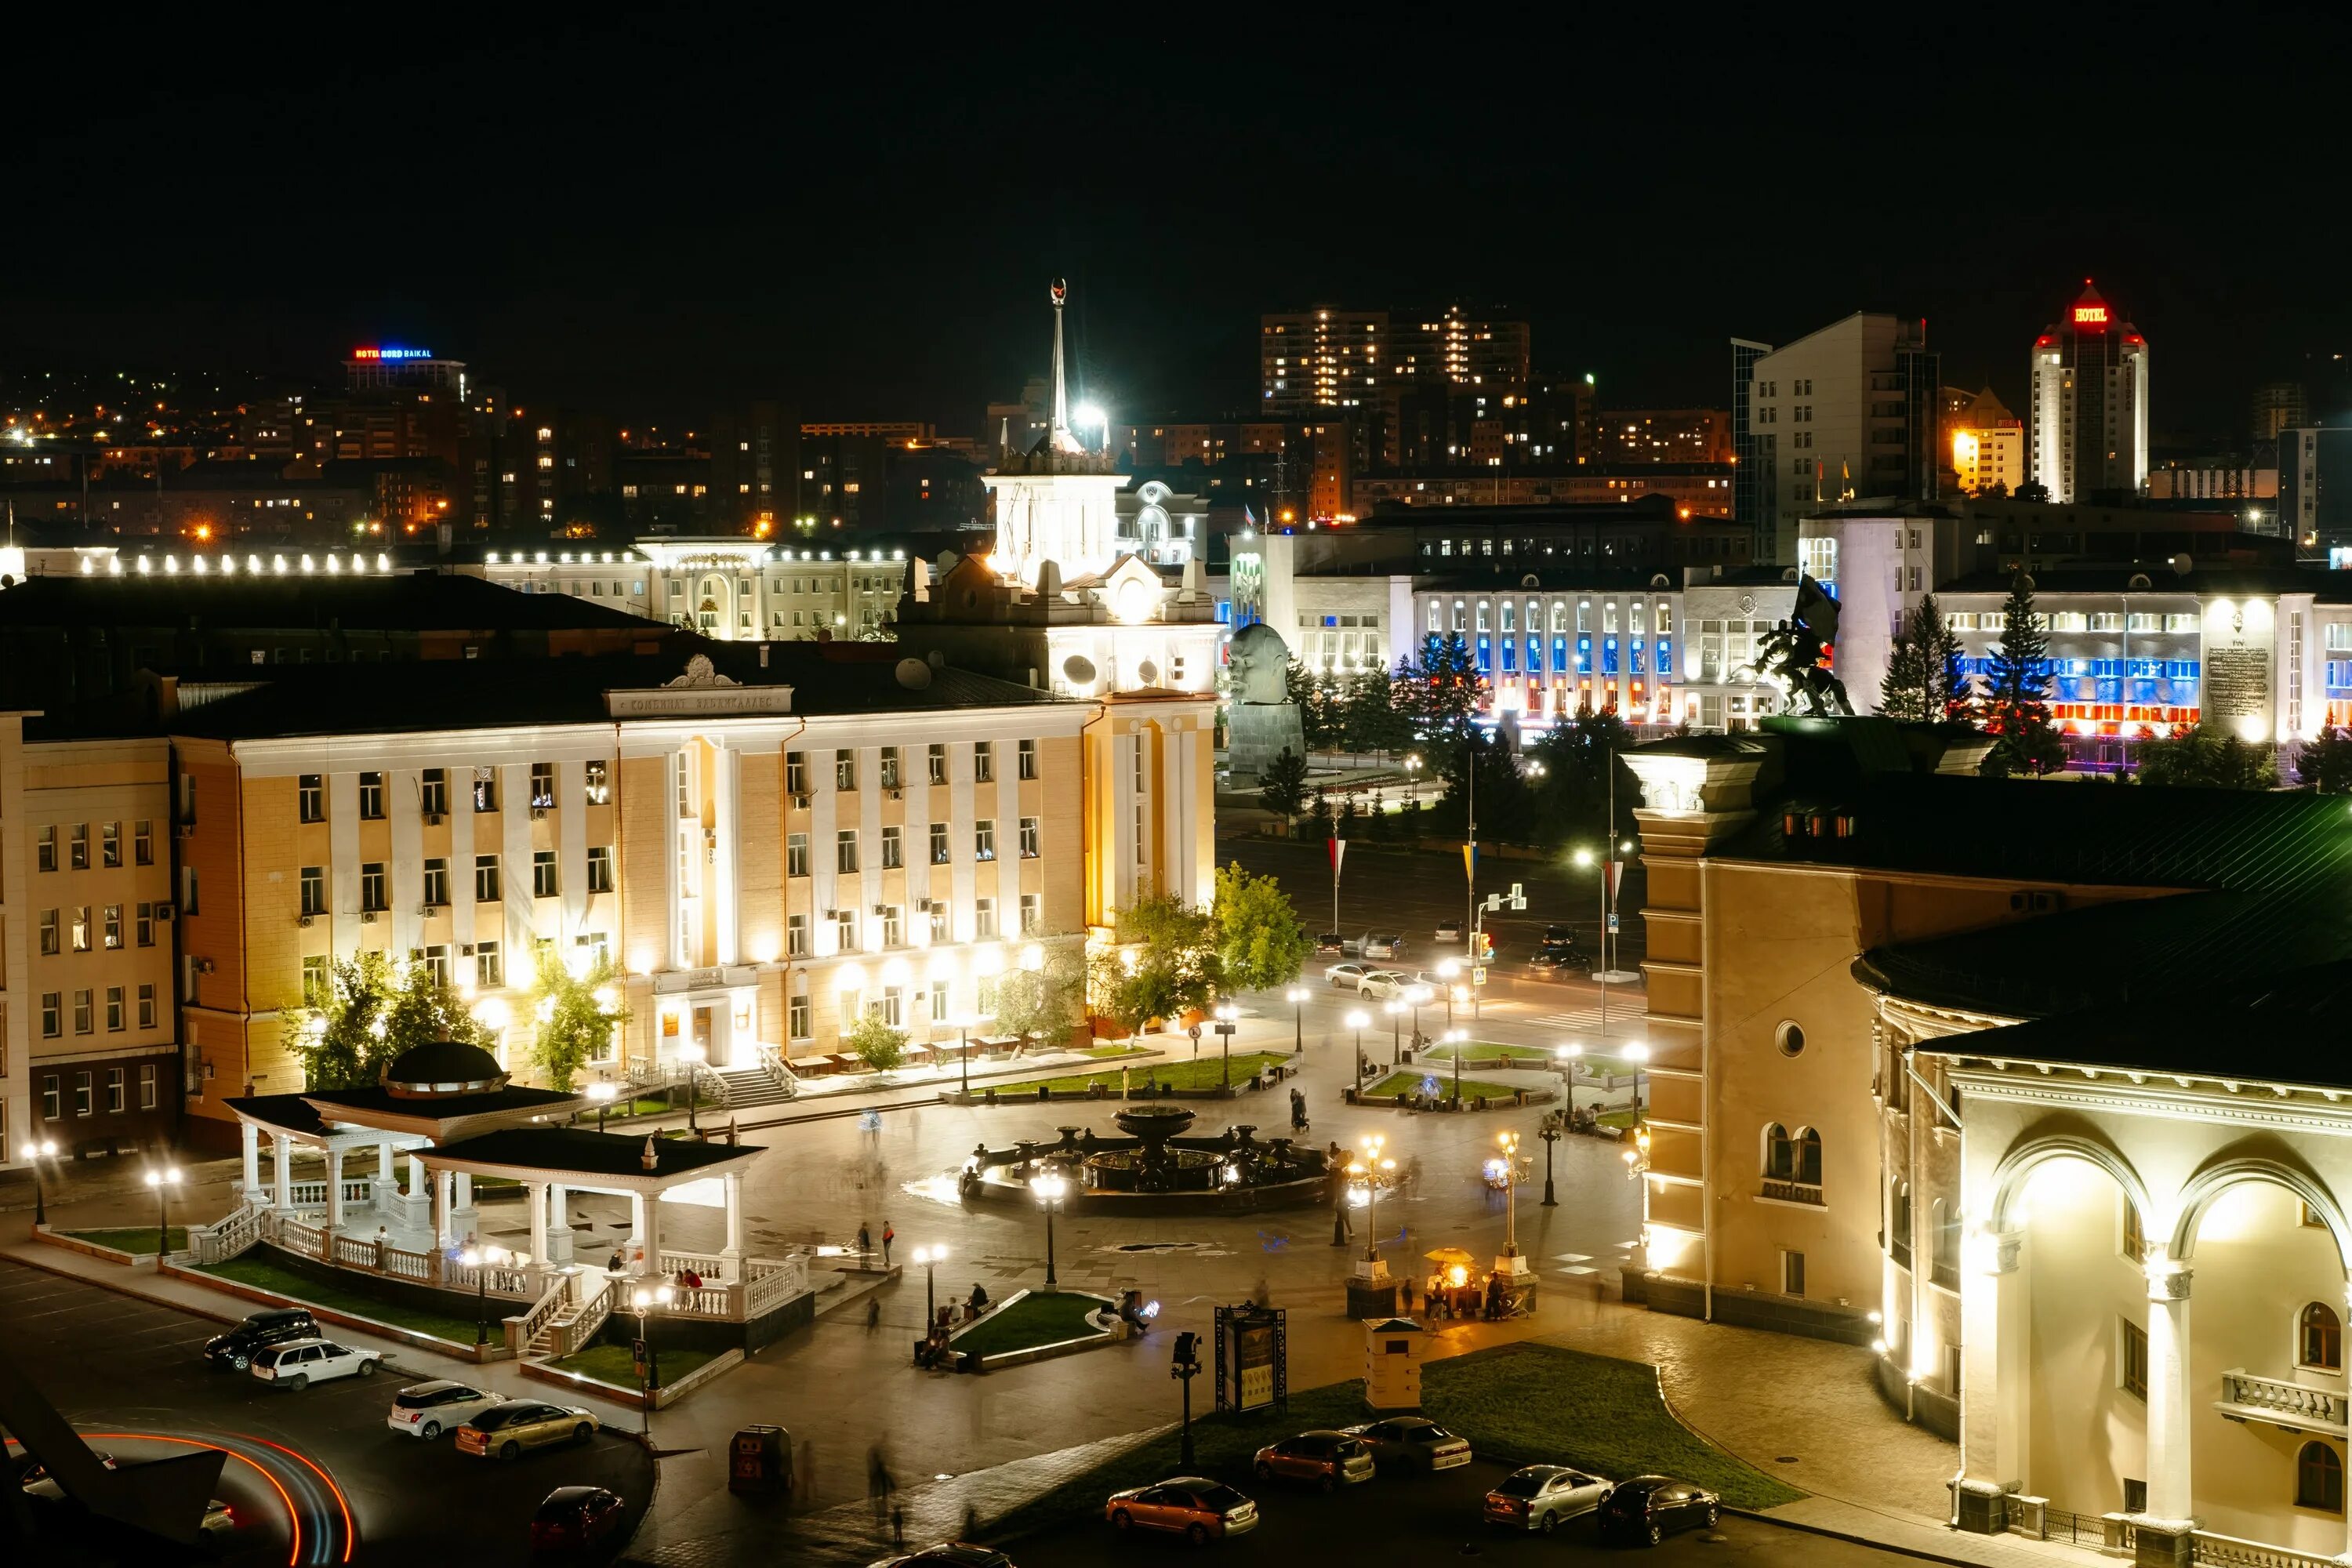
(305,1361)
(429,1409)
(1384,984)
(1348,976)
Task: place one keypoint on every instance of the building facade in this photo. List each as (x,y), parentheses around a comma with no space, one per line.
(2087,422)
(1847,411)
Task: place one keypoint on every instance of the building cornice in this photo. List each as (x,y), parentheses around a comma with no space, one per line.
(2166,1096)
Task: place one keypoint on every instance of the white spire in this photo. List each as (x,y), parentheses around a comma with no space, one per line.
(1058,436)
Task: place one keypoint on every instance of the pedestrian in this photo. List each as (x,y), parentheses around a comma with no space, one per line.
(1404,1293)
(897,1526)
(873,1313)
(888,1235)
(864,1244)
(613,1265)
(979,1299)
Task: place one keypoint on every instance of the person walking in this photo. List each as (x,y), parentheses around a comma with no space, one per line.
(864,1244)
(889,1235)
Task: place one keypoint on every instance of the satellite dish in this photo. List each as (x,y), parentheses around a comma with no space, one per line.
(1079,668)
(2180,564)
(1659,581)
(2140,580)
(1148,673)
(914,674)
(1530,581)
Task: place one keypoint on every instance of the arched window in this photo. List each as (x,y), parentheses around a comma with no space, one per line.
(2319,1478)
(1901,1209)
(1809,1157)
(1945,1241)
(2319,1338)
(1779,1153)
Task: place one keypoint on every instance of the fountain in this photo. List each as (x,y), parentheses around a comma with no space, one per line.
(1155,1168)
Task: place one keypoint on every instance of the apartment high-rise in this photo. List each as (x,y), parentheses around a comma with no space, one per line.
(1311,362)
(2087,431)
(1841,414)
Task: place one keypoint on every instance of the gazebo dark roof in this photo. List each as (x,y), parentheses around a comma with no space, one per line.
(383,1103)
(290,1113)
(585,1153)
(413,1073)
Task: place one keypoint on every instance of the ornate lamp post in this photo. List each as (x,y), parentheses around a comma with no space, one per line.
(1567,1055)
(163,1181)
(1511,1266)
(47,1149)
(931,1258)
(1550,1134)
(641,1300)
(1460,1040)
(963,1053)
(1395,1010)
(601,1093)
(1416,998)
(1637,1053)
(1226,1026)
(1296,997)
(1050,1186)
(692,1055)
(1374,1164)
(1356,1021)
(481,1260)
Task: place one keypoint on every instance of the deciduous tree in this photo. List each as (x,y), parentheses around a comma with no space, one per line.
(1261,943)
(2202,758)
(573,1016)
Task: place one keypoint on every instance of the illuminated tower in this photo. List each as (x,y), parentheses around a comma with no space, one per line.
(2087,431)
(1057,502)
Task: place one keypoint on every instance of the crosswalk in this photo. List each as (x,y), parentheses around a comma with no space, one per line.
(1626,1023)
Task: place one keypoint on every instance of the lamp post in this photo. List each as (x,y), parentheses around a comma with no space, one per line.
(1637,1053)
(1449,972)
(163,1181)
(643,1301)
(481,1260)
(1415,997)
(963,1053)
(1550,1134)
(1395,1010)
(1372,1143)
(1049,1186)
(601,1093)
(1226,1026)
(47,1149)
(691,1054)
(1509,1143)
(1296,997)
(1568,1054)
(1412,772)
(1584,856)
(1460,1040)
(1356,1021)
(931,1258)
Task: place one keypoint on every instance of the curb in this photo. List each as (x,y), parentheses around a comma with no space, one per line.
(480,1356)
(668,1394)
(123,1289)
(113,1255)
(1853,1538)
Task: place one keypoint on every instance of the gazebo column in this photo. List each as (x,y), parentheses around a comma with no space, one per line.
(557,1248)
(281,1173)
(464,1220)
(416,1207)
(730,1256)
(535,1194)
(645,1232)
(440,1180)
(334,1187)
(384,1168)
(2163,1536)
(249,1139)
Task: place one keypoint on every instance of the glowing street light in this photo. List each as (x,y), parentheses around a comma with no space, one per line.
(1296,997)
(601,1093)
(1374,1163)
(931,1258)
(163,1181)
(481,1260)
(1050,1187)
(693,1056)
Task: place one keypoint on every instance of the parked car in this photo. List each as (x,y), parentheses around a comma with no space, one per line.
(1450,931)
(234,1349)
(1198,1510)
(299,1363)
(1414,1441)
(1543,1498)
(1330,942)
(1381,944)
(1648,1508)
(1383,984)
(1348,976)
(574,1519)
(504,1431)
(1327,1459)
(949,1555)
(429,1409)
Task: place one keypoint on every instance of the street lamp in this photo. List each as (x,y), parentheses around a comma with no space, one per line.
(931,1258)
(1411,772)
(481,1259)
(1460,1040)
(1510,1265)
(1050,1186)
(1356,1021)
(692,1055)
(643,1301)
(163,1181)
(1296,997)
(601,1093)
(1395,1010)
(1637,1053)
(1415,997)
(47,1149)
(1567,1054)
(1372,1143)
(1226,1026)
(964,1043)
(1550,1134)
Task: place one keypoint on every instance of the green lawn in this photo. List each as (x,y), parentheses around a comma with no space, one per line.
(1533,1057)
(1518,1403)
(1409,1082)
(1625,1118)
(1037,1318)
(1112,1053)
(1182,1073)
(253,1271)
(612,1364)
(130,1238)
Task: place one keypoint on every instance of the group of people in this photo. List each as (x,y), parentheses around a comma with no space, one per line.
(1446,1297)
(931,1350)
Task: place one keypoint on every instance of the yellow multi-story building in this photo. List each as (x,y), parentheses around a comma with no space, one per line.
(88,1058)
(765,847)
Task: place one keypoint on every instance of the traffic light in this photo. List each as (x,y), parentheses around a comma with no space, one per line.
(1485,946)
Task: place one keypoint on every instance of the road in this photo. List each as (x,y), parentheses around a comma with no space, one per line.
(314,1476)
(1426,1518)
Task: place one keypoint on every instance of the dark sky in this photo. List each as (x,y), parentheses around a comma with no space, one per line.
(706,206)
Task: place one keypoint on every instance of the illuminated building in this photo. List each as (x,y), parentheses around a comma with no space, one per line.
(1693,489)
(1840,414)
(1314,363)
(2088,422)
(2001,1105)
(2315,490)
(1985,443)
(1664,435)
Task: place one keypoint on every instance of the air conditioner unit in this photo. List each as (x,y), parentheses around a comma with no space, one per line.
(799,802)
(465,950)
(897,794)
(367,917)
(165,912)
(537,812)
(202,965)
(187,830)
(432,819)
(881,910)
(305,920)
(428,910)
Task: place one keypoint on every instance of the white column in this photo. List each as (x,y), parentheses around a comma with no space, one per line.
(638,1222)
(281,1160)
(726,762)
(464,1180)
(440,1180)
(730,1260)
(334,1188)
(415,1177)
(559,1225)
(384,1170)
(536,1196)
(1994,1374)
(651,1232)
(2167,1390)
(249,1147)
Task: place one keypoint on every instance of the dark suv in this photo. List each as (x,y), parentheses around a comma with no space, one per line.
(234,1349)
(1648,1508)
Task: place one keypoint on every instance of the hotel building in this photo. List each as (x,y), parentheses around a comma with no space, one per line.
(2087,425)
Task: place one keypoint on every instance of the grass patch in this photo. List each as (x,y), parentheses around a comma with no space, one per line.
(263,1275)
(613,1366)
(1623,1118)
(1037,1318)
(1533,1057)
(1522,1404)
(1529,1404)
(1206,1073)
(130,1238)
(1409,1082)
(1112,1053)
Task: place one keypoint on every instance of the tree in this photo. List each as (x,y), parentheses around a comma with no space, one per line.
(1902,690)
(1950,683)
(2197,757)
(1927,678)
(2325,762)
(1345,828)
(1281,788)
(1506,807)
(2017,706)
(373,1011)
(1163,962)
(1319,816)
(1572,796)
(1261,941)
(875,1043)
(1042,1003)
(1443,685)
(1370,716)
(575,1015)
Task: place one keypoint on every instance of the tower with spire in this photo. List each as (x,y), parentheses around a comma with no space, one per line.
(1057,502)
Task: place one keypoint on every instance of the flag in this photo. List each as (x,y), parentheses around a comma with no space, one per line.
(1470,862)
(1615,872)
(1339,848)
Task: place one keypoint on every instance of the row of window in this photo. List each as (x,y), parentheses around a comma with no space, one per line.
(58,926)
(431,792)
(848,925)
(489,965)
(53,1092)
(1637,620)
(109,846)
(846,853)
(844,766)
(891,1006)
(2077,621)
(84,1011)
(490,886)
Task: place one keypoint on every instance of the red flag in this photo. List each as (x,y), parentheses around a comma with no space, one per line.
(1339,848)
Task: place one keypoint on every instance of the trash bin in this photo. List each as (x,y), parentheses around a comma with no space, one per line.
(759,1459)
(1393,1354)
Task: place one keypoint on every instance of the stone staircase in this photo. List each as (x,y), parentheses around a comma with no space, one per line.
(562,1325)
(752,1087)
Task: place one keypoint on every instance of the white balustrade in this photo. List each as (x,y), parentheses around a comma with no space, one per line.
(704,1264)
(416,1266)
(2230,1552)
(2302,1404)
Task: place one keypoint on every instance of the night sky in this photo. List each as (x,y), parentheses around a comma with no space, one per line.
(655,220)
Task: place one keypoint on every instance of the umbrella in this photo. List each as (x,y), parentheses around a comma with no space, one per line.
(1450,1255)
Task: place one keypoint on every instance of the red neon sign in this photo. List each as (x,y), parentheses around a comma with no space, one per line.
(2090,315)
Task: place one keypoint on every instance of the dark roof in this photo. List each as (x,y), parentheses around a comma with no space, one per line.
(452,694)
(294,1112)
(2276,1029)
(589,1154)
(444,1061)
(509,1100)
(411,601)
